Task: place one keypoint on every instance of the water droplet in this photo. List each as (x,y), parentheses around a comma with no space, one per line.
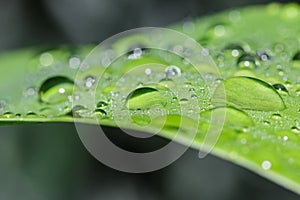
(89,81)
(46,59)
(248,93)
(234,49)
(8,115)
(165,82)
(148,71)
(276,116)
(135,54)
(144,97)
(99,113)
(246,61)
(266,165)
(285,138)
(280,87)
(56,90)
(74,62)
(172,71)
(219,30)
(295,129)
(79,111)
(263,56)
(29,92)
(183,101)
(31,115)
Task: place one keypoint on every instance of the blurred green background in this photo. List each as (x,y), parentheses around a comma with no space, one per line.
(48,161)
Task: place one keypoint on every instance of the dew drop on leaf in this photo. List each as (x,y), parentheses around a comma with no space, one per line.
(135,54)
(246,61)
(99,113)
(295,130)
(79,111)
(89,81)
(280,87)
(172,71)
(102,104)
(263,56)
(46,59)
(144,97)
(234,50)
(266,165)
(248,93)
(276,117)
(8,115)
(56,90)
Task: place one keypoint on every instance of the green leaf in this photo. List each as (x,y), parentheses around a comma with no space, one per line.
(256,50)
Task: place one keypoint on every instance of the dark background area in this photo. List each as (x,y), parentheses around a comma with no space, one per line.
(48,161)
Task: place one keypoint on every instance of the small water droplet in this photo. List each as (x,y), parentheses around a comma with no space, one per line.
(148,71)
(46,59)
(99,113)
(135,54)
(31,115)
(79,111)
(74,62)
(102,104)
(56,90)
(280,87)
(29,92)
(246,61)
(219,30)
(276,116)
(8,115)
(234,49)
(183,101)
(263,56)
(266,165)
(285,138)
(89,81)
(172,71)
(295,129)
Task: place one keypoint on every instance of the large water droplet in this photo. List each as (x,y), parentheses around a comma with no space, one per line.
(56,90)
(144,97)
(248,93)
